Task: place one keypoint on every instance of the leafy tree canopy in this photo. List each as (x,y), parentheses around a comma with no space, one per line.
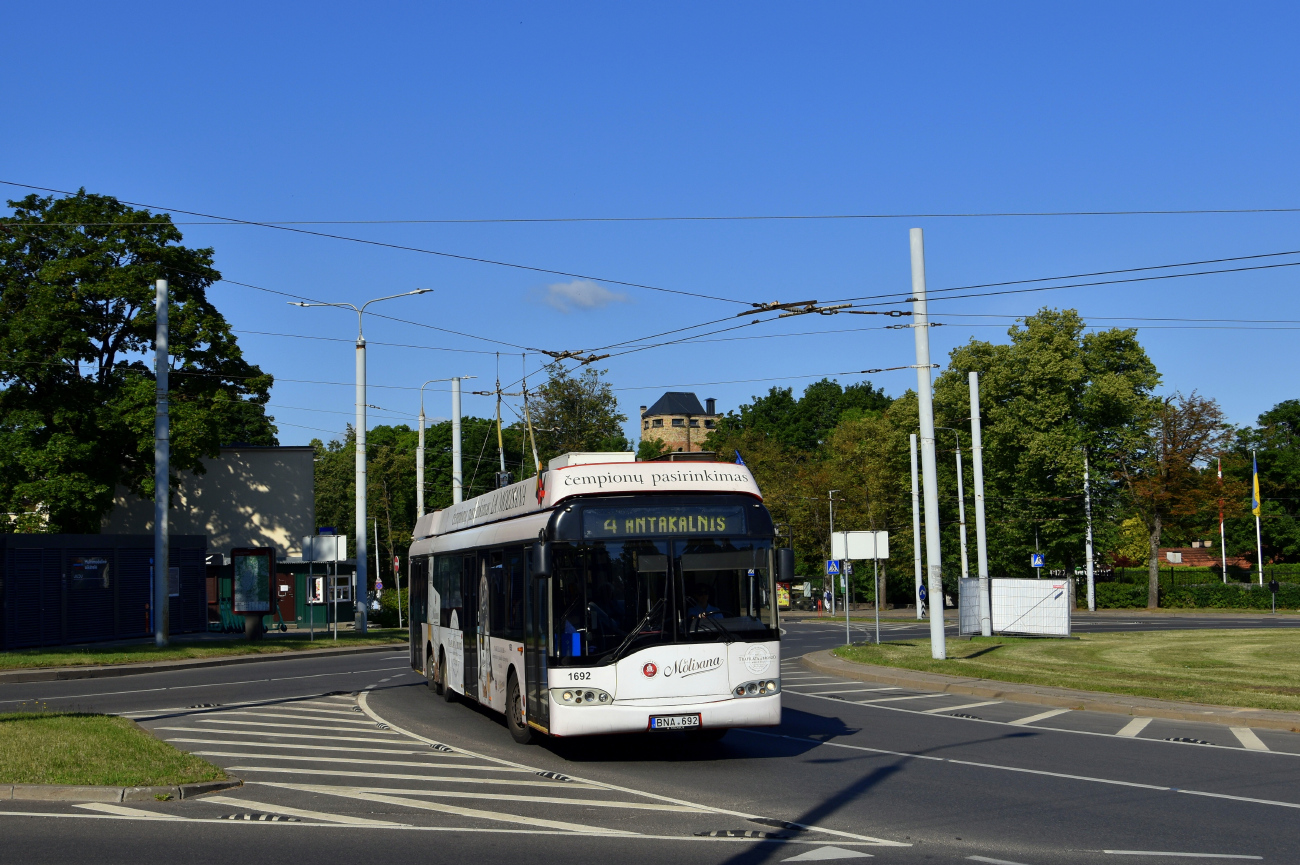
(76,379)
(577,413)
(806,423)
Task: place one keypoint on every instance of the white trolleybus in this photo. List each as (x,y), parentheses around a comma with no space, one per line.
(605,596)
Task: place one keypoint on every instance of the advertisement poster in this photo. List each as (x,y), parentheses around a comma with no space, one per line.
(252,573)
(783,596)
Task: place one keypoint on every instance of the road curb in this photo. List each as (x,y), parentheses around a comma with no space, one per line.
(57,674)
(1059,698)
(88,793)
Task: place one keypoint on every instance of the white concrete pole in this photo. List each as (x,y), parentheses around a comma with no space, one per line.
(981,537)
(1259,507)
(1223,546)
(359,577)
(1087,509)
(929,474)
(916,523)
(161,471)
(457,483)
(830,498)
(419,464)
(961,515)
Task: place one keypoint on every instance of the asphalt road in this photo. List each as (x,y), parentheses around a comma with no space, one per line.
(352,758)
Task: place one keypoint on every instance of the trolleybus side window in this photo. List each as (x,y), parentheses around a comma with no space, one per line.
(515,584)
(497,586)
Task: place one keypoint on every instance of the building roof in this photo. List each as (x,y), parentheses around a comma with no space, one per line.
(675,402)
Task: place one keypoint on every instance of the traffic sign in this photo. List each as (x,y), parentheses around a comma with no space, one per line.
(848,568)
(832,567)
(1035,560)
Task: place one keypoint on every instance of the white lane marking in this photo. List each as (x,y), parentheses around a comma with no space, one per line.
(290,703)
(364,703)
(123,811)
(1041,716)
(287,745)
(191,687)
(393,776)
(479,814)
(356,718)
(840,691)
(477,830)
(295,812)
(502,797)
(993,861)
(1018,769)
(955,708)
(1132,728)
(279,735)
(292,726)
(822,854)
(1180,855)
(352,761)
(1248,739)
(895,699)
(871,704)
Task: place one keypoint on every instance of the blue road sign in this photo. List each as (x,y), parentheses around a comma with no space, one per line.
(1035,560)
(832,567)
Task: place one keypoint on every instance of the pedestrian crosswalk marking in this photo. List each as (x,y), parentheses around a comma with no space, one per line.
(955,708)
(123,811)
(1041,716)
(296,812)
(502,797)
(352,761)
(266,734)
(1248,739)
(394,776)
(1132,728)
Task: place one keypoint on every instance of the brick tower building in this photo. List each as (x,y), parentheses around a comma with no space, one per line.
(679,421)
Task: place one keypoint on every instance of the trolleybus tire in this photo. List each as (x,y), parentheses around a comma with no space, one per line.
(431,674)
(515,720)
(448,692)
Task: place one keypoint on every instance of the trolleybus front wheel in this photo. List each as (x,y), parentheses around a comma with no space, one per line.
(431,674)
(519,729)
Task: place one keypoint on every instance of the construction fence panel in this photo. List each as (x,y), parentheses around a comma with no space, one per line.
(1033,607)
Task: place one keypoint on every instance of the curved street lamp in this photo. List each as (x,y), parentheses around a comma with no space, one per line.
(359,578)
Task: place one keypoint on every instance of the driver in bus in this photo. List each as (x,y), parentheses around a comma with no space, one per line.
(702,609)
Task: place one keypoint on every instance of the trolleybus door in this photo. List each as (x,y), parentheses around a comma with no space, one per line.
(469,576)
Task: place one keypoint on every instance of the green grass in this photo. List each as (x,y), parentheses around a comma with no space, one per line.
(74,748)
(80,656)
(1256,669)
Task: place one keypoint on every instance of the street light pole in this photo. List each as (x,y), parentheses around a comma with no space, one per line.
(981,536)
(161,472)
(457,480)
(359,578)
(830,497)
(929,475)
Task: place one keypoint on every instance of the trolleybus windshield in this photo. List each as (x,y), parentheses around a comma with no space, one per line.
(615,596)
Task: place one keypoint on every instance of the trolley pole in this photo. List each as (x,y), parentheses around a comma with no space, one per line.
(161,471)
(981,536)
(929,475)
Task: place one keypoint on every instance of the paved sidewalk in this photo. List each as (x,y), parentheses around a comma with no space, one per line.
(1061,698)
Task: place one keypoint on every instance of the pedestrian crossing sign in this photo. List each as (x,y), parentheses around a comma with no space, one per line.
(832,567)
(1035,560)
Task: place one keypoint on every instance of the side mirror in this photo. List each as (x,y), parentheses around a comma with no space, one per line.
(784,565)
(541,559)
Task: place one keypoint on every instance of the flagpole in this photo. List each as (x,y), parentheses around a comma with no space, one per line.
(1258,506)
(1223,548)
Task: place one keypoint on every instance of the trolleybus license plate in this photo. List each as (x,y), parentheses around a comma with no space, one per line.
(673,722)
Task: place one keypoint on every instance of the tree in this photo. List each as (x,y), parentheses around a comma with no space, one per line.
(76,339)
(1054,393)
(1164,469)
(577,414)
(1276,443)
(805,423)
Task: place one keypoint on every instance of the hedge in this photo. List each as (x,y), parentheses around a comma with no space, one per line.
(1223,596)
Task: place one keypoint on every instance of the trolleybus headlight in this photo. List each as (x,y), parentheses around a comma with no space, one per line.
(582,698)
(757,689)
(590,696)
(771,687)
(568,695)
(752,688)
(740,692)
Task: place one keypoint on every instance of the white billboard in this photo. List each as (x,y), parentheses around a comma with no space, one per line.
(860,545)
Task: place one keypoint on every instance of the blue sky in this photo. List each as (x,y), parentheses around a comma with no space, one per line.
(331,111)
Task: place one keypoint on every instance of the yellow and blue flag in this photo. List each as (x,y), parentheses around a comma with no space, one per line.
(1254,498)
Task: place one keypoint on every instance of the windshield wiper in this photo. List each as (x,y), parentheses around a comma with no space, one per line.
(627,641)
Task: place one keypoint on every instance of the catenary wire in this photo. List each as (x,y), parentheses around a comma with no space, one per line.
(402,247)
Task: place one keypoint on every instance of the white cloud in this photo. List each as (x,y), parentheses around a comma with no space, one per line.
(580,294)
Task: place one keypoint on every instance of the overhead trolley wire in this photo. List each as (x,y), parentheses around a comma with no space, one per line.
(402,247)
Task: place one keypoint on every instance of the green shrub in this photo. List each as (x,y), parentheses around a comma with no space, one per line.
(1113,596)
(386,616)
(1234,596)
